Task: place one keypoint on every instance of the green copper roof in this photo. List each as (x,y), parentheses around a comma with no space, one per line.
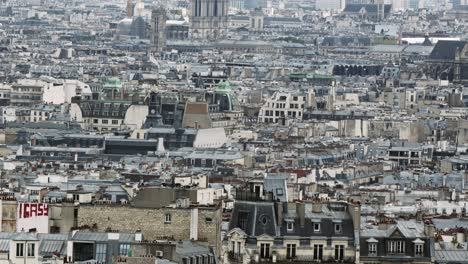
(113,83)
(224,87)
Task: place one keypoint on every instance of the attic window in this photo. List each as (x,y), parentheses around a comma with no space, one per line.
(242,219)
(316,227)
(290,226)
(372,249)
(338,229)
(279,192)
(264,219)
(419,249)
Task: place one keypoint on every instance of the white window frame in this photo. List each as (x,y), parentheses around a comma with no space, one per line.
(342,255)
(373,249)
(340,228)
(316,230)
(291,251)
(419,249)
(396,247)
(167,218)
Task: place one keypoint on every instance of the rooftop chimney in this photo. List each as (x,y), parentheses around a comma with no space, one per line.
(300,211)
(317,207)
(279,212)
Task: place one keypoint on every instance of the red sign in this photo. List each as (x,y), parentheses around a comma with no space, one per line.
(27,210)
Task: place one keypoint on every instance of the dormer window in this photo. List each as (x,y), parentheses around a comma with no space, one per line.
(396,247)
(290,226)
(419,250)
(316,227)
(373,249)
(338,229)
(418,247)
(372,243)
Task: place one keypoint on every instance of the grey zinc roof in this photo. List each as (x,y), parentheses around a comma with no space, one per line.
(189,248)
(326,213)
(60,236)
(218,154)
(48,247)
(23,236)
(450,223)
(388,48)
(4,244)
(426,50)
(4,235)
(102,237)
(255,212)
(274,184)
(451,256)
(408,229)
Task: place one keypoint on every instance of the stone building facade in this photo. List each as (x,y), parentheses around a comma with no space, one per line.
(200,224)
(209,19)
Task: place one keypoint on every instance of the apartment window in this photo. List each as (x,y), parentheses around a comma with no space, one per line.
(338,229)
(316,227)
(373,249)
(123,249)
(290,226)
(264,250)
(318,252)
(115,122)
(419,249)
(290,251)
(279,192)
(396,247)
(105,121)
(95,121)
(339,252)
(31,249)
(243,218)
(233,246)
(167,219)
(101,251)
(20,250)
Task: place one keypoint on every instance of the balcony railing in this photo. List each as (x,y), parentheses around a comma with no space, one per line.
(234,257)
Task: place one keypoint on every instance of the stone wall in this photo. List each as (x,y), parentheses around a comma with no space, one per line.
(8,211)
(152,222)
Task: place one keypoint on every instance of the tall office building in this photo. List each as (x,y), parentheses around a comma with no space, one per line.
(209,19)
(158,27)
